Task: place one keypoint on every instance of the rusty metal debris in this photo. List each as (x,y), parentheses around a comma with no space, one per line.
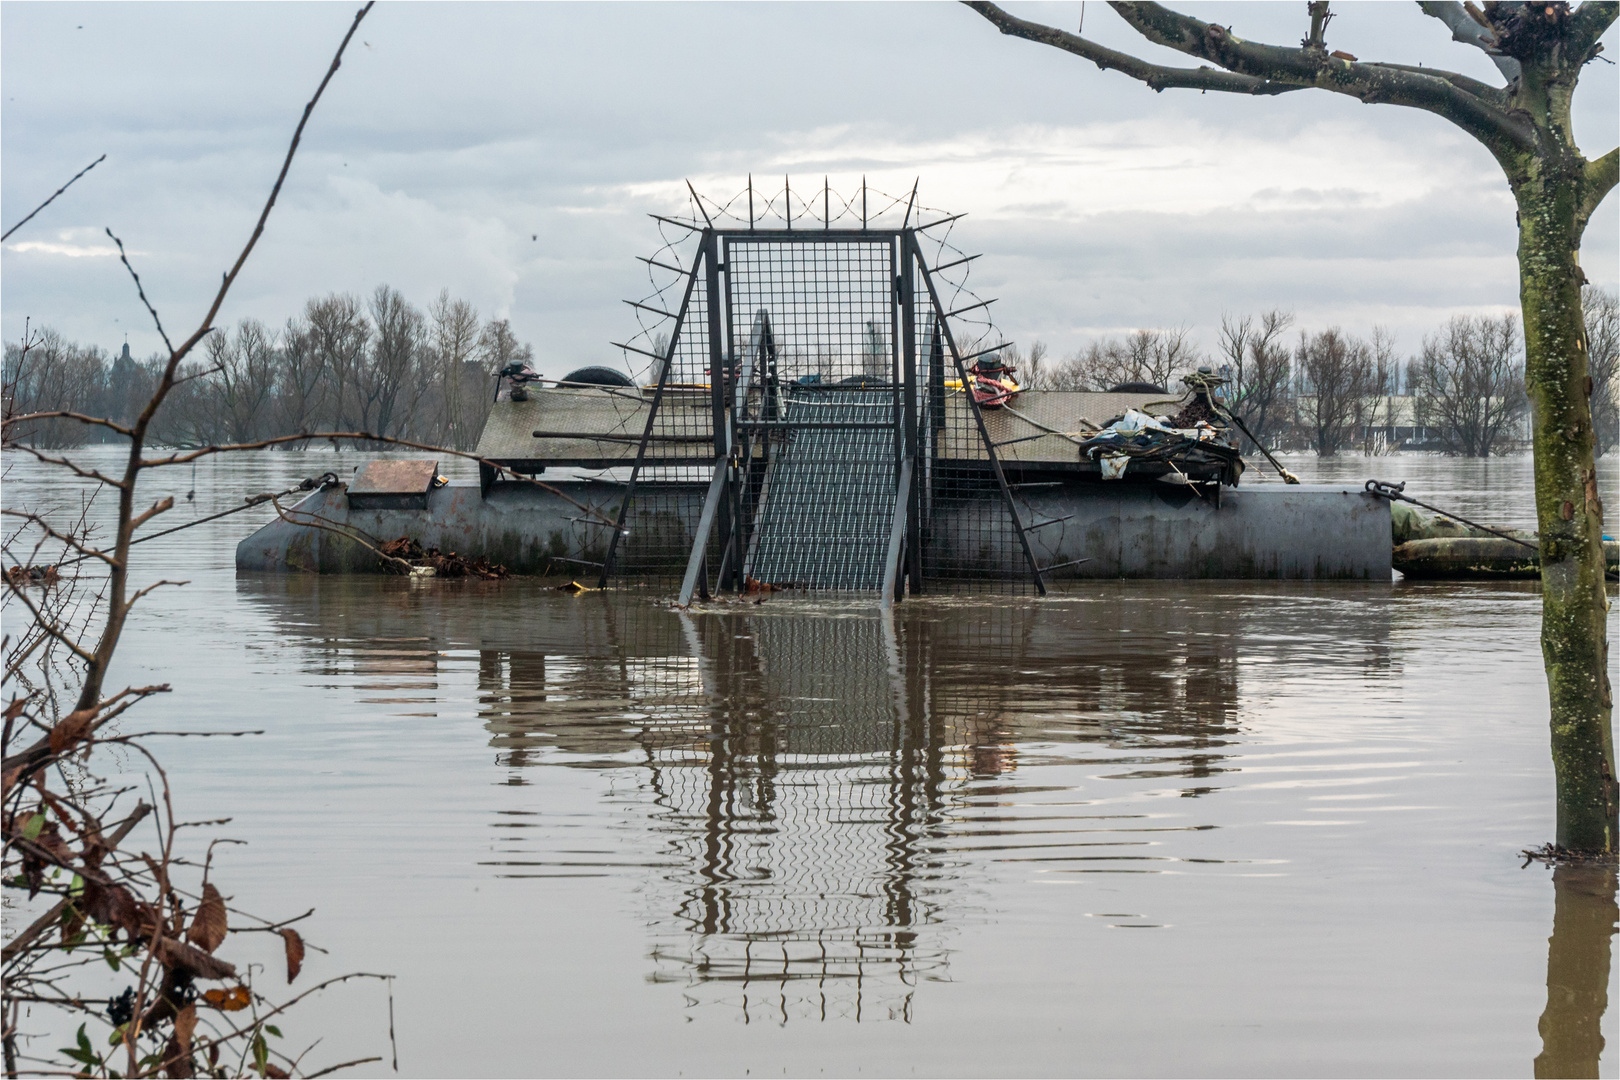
(41,576)
(441,564)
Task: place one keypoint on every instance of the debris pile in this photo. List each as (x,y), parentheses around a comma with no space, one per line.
(1136,436)
(41,576)
(406,556)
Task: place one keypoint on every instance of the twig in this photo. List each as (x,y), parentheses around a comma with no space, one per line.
(141,292)
(47,202)
(334,1068)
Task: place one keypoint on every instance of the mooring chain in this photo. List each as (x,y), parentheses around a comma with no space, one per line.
(1386,490)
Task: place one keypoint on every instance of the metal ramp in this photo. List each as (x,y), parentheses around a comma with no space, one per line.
(827,358)
(826,505)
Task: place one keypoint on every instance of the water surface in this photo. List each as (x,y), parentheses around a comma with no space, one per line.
(1135,828)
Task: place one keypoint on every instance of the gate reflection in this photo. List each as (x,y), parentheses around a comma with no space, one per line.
(809,769)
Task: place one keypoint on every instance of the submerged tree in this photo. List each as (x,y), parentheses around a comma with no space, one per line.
(1260,369)
(1603,350)
(1470,386)
(1335,373)
(1539,49)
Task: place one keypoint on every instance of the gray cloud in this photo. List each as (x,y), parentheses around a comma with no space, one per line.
(455,133)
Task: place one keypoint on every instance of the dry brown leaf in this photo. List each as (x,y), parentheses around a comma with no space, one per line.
(295,953)
(15,709)
(70,729)
(8,778)
(231,999)
(208,926)
(185,1024)
(182,957)
(114,906)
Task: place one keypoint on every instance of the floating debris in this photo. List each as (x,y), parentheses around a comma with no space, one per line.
(41,576)
(1552,855)
(406,556)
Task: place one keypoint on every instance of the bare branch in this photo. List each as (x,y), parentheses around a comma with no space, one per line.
(46,626)
(275,189)
(1484,91)
(117,609)
(1470,31)
(7,235)
(1158,77)
(88,474)
(1601,174)
(330,1069)
(367,436)
(1435,91)
(69,541)
(64,414)
(124,258)
(155,585)
(1589,22)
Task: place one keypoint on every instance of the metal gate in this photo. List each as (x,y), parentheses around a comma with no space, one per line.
(819,365)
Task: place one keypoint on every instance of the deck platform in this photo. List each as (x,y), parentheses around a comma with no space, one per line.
(603,427)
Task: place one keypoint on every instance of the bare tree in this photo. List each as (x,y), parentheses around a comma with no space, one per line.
(149,913)
(1032,372)
(47,373)
(303,385)
(340,336)
(1470,384)
(393,379)
(1262,371)
(1334,372)
(1376,406)
(1539,51)
(1145,357)
(246,367)
(1601,311)
(454,342)
(498,347)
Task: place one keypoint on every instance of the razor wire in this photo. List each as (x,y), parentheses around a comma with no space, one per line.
(801,209)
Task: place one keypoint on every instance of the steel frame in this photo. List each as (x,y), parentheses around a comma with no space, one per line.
(742,443)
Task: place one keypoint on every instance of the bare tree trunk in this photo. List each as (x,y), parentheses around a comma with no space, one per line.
(1569,512)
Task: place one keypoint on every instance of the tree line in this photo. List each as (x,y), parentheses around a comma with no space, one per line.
(383,365)
(379,365)
(1333,392)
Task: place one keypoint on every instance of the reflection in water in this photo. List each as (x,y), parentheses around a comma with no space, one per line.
(810,804)
(1578,955)
(820,776)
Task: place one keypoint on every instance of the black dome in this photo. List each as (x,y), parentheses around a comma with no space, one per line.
(598,376)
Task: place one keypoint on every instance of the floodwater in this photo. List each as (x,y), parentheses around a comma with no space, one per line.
(1136,828)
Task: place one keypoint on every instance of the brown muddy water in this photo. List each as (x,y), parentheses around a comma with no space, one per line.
(1136,828)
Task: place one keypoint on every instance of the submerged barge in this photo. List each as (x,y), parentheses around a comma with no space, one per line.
(1140,526)
(818,411)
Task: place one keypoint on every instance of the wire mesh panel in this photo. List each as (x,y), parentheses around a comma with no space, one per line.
(968,541)
(665,491)
(849,450)
(825,508)
(818,415)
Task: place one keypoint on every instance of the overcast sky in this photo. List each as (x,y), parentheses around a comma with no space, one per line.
(510,153)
